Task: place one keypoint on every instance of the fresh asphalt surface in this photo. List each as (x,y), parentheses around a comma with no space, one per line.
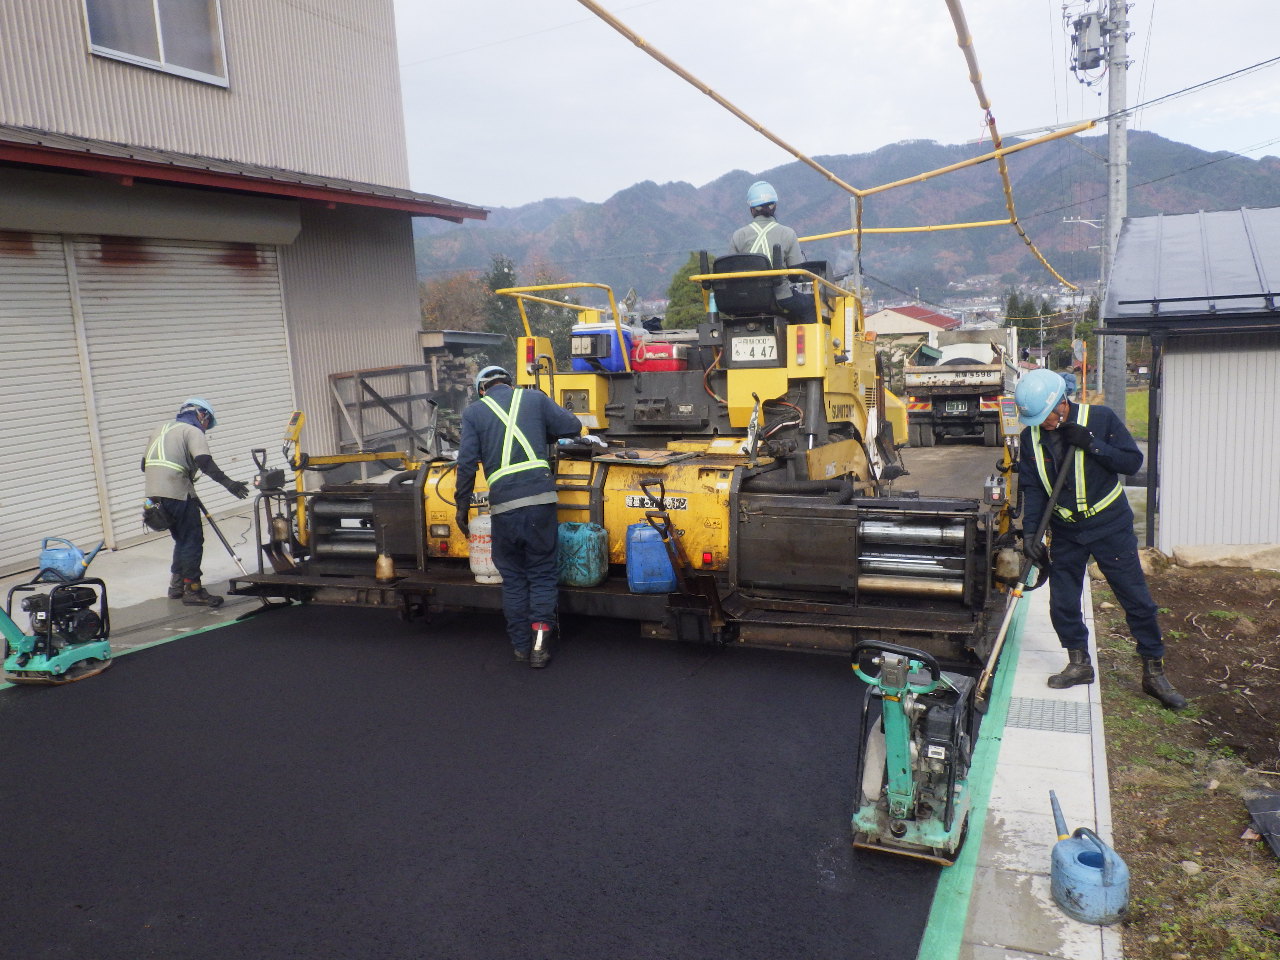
(318,782)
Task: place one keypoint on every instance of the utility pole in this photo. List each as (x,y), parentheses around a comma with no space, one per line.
(1098,38)
(1115,369)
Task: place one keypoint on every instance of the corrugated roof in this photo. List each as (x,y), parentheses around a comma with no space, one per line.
(69,152)
(926,315)
(1196,271)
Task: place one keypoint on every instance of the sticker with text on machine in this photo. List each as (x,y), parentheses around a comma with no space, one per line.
(648,503)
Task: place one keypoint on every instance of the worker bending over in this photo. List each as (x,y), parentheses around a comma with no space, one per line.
(1091,518)
(761,235)
(176,452)
(509,430)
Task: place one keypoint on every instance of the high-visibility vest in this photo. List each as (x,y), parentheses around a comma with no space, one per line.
(761,243)
(513,435)
(156,452)
(1083,508)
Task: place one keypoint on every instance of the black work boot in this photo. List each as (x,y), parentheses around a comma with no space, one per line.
(522,656)
(1077,670)
(1156,684)
(195,595)
(175,586)
(540,655)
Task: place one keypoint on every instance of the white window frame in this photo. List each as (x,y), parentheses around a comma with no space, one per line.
(160,65)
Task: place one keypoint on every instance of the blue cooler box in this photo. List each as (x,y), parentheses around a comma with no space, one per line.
(614,363)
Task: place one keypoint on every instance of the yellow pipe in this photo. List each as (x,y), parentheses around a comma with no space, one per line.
(684,74)
(940,226)
(522,293)
(998,154)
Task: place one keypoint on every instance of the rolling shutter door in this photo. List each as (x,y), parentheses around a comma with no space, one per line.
(47,482)
(167,320)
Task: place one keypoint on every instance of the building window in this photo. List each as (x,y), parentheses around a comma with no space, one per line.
(176,36)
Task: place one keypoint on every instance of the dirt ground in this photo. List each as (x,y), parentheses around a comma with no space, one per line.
(1200,888)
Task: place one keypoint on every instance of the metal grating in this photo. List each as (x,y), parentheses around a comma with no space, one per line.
(1060,716)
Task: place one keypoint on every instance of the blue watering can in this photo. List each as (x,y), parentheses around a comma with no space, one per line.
(1088,879)
(68,562)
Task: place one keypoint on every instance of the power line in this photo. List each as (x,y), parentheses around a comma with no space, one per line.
(1191,89)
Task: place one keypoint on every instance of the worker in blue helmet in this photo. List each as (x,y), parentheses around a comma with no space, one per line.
(508,430)
(761,235)
(176,454)
(1092,518)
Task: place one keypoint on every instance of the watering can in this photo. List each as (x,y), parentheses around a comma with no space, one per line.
(1089,880)
(68,562)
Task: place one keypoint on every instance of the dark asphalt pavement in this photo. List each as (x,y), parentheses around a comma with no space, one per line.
(329,783)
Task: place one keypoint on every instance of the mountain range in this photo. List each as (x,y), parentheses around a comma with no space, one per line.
(639,237)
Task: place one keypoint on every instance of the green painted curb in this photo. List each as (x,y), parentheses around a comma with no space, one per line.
(944,931)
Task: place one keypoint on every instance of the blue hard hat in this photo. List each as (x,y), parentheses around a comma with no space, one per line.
(199,403)
(1036,394)
(760,193)
(488,375)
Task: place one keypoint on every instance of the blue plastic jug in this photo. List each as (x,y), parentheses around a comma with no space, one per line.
(582,555)
(67,561)
(1089,880)
(649,567)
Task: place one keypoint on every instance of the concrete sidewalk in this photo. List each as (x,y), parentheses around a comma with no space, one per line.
(1052,739)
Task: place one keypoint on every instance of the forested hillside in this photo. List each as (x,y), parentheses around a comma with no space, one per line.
(639,237)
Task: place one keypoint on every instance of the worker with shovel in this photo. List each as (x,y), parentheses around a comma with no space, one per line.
(1091,517)
(176,452)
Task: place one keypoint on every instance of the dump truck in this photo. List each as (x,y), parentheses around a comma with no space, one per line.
(764,450)
(954,390)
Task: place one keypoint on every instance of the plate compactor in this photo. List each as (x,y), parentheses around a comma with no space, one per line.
(69,622)
(913,767)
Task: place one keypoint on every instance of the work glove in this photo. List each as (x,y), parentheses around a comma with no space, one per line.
(1076,435)
(461,520)
(237,489)
(1036,553)
(593,440)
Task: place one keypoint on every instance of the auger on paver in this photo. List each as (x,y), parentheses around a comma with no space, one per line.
(913,765)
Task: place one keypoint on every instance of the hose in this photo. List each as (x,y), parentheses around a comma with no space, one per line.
(842,489)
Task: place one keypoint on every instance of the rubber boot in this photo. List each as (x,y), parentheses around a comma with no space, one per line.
(1077,670)
(1156,684)
(175,587)
(522,656)
(195,595)
(540,655)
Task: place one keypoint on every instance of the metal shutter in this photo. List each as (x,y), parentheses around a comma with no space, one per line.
(47,482)
(167,320)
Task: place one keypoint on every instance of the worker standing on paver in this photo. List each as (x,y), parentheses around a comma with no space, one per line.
(1091,518)
(508,430)
(761,235)
(175,454)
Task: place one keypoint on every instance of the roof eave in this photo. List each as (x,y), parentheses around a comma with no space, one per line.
(129,169)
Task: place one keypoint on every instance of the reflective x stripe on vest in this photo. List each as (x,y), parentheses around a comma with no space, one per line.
(513,432)
(761,243)
(1082,509)
(155,452)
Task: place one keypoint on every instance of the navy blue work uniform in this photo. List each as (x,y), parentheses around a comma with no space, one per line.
(522,496)
(1092,518)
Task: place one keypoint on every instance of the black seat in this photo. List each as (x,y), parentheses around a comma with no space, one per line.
(741,296)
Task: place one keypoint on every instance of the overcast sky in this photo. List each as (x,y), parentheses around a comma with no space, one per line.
(512,101)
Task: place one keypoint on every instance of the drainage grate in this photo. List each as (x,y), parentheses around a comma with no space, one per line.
(1061,716)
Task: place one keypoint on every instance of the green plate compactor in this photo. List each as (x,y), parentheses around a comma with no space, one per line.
(913,765)
(69,622)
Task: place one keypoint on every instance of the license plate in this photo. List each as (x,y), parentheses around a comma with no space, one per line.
(957,406)
(745,349)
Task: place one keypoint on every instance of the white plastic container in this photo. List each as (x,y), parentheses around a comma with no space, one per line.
(480,550)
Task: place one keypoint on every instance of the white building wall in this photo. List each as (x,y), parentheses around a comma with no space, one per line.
(313,86)
(1219,457)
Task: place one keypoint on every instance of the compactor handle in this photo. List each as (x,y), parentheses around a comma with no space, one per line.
(916,656)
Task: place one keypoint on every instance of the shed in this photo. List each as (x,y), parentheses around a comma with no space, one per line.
(1203,287)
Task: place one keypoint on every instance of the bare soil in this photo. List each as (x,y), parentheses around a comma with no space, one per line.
(1198,890)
